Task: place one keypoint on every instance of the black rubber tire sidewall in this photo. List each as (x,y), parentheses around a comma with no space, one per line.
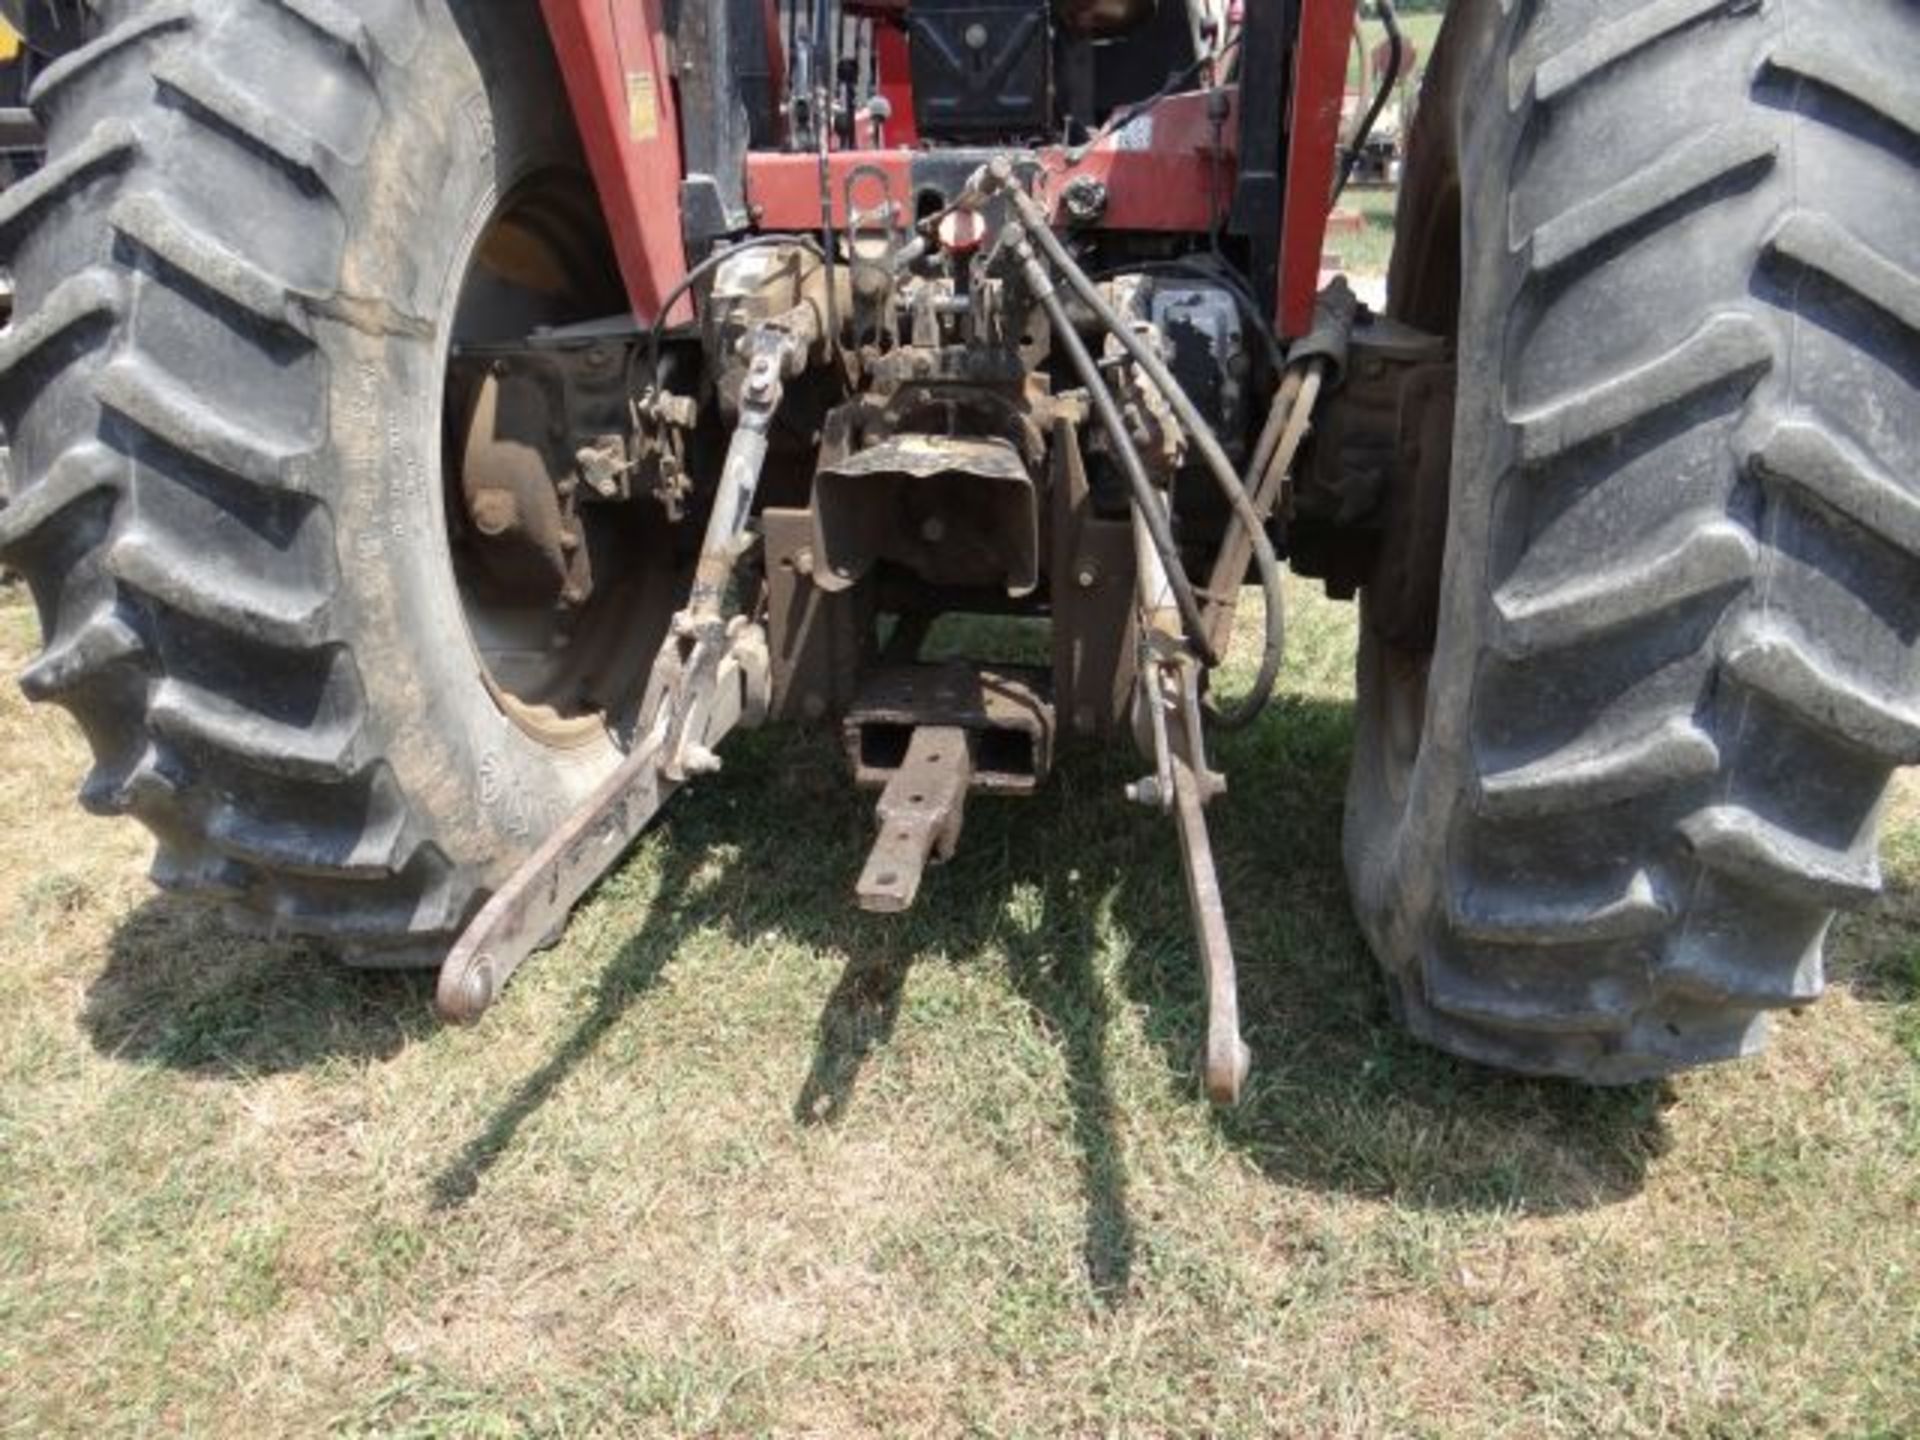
(482,113)
(1407,767)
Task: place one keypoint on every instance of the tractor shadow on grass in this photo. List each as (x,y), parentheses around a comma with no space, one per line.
(792,879)
(768,882)
(181,990)
(1076,898)
(1341,1099)
(632,973)
(1876,952)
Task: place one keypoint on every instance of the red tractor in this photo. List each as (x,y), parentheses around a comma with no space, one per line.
(437,424)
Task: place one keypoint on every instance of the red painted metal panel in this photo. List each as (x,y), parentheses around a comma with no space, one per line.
(896,83)
(1157,172)
(614,58)
(1160,171)
(1320,79)
(784,189)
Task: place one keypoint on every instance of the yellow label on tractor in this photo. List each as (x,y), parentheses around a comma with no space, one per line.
(10,43)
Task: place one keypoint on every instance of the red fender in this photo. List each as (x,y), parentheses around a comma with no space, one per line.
(614,60)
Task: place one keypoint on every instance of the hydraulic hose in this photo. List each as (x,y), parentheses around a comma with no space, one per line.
(1107,411)
(1218,465)
(1396,55)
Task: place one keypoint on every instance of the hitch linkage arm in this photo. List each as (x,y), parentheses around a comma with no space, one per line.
(681,686)
(1170,729)
(710,676)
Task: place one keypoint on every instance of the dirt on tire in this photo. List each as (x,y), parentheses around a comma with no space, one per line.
(235,273)
(1601,828)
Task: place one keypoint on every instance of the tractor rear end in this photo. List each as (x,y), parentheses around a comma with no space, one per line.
(440,425)
(934,407)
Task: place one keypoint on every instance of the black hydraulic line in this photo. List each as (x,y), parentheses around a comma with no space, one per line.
(1396,54)
(1232,489)
(1107,411)
(824,82)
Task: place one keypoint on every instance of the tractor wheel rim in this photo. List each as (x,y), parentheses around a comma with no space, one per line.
(563,675)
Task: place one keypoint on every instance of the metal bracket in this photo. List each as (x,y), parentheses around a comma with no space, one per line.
(920,815)
(1005,713)
(682,682)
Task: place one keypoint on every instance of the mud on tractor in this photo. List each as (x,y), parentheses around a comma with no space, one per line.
(438,424)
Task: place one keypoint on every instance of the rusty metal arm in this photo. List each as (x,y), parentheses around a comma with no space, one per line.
(682,683)
(1170,729)
(711,674)
(535,900)
(1288,423)
(920,815)
(1226,1060)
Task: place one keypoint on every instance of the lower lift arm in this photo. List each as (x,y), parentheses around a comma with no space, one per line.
(710,676)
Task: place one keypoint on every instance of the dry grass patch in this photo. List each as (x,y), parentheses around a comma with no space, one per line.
(735,1159)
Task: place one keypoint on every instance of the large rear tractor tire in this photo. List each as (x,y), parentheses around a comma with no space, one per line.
(1605,807)
(261,229)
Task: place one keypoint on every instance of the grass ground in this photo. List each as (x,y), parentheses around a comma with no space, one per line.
(736,1160)
(1366,252)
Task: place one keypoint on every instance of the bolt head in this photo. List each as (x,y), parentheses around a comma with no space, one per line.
(494,512)
(475,992)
